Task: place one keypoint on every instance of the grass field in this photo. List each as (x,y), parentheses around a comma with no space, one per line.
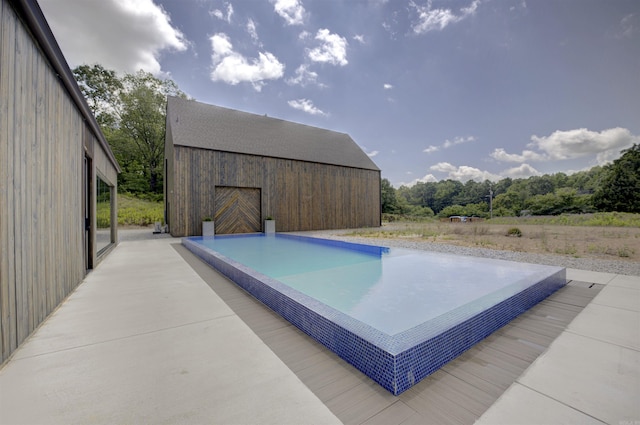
(132,212)
(602,235)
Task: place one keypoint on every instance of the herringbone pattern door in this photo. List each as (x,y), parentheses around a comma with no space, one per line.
(237,210)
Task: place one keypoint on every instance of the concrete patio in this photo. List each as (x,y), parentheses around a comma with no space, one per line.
(144,339)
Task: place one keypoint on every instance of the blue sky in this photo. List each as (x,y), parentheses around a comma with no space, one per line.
(470,89)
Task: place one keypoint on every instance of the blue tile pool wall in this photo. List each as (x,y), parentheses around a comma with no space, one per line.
(372,352)
(370,249)
(425,358)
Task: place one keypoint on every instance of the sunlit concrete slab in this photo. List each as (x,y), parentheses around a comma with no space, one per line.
(619,297)
(613,325)
(625,281)
(591,369)
(590,276)
(144,340)
(208,372)
(597,378)
(140,287)
(520,405)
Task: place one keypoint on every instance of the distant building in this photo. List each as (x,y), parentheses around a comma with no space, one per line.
(240,168)
(54,166)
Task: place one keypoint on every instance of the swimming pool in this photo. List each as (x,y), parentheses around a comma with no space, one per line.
(395,314)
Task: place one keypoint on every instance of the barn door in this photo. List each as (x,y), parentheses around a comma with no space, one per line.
(237,210)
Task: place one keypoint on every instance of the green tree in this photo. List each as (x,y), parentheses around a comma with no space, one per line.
(388,198)
(473,192)
(564,200)
(101,87)
(446,192)
(586,181)
(131,111)
(450,210)
(507,203)
(620,187)
(142,121)
(502,186)
(480,209)
(417,211)
(514,198)
(420,195)
(540,185)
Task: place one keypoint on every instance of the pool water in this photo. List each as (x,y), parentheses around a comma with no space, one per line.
(392,289)
(396,314)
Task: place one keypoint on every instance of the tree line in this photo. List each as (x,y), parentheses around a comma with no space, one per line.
(131,112)
(614,187)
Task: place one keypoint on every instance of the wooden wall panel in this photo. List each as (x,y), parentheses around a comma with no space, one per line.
(299,195)
(41,186)
(7,268)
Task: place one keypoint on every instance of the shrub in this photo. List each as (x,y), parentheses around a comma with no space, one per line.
(514,231)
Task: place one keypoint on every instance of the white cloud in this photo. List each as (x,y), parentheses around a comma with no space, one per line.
(521,171)
(391,23)
(629,25)
(604,146)
(387,86)
(457,141)
(581,142)
(221,15)
(464,173)
(372,153)
(291,11)
(443,167)
(307,106)
(471,9)
(359,38)
(500,154)
(253,31)
(333,49)
(426,179)
(129,35)
(304,77)
(430,19)
(231,67)
(449,143)
(523,5)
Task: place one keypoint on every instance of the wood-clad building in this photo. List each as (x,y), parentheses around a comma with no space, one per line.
(240,168)
(54,164)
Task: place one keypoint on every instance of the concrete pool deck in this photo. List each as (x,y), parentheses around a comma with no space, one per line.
(144,339)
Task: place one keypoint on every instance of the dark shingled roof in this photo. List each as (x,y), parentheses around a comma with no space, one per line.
(205,126)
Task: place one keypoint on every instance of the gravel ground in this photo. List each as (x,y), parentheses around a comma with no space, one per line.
(606,266)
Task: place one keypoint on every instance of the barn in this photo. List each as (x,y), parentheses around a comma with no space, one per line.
(240,168)
(57,174)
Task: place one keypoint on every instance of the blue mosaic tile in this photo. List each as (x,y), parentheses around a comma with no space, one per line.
(395,362)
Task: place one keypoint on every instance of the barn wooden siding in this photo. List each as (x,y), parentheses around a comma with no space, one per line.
(298,195)
(42,147)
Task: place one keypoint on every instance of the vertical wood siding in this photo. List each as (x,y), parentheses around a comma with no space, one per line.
(299,195)
(41,186)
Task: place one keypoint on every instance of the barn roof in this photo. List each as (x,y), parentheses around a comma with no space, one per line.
(200,125)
